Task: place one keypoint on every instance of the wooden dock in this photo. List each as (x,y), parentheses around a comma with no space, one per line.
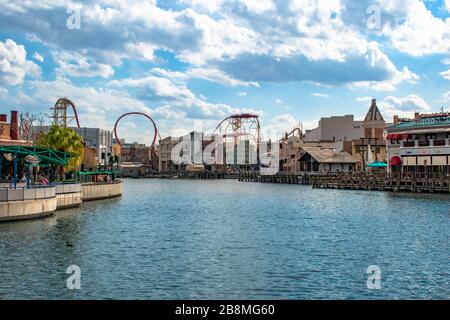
(384,182)
(278,178)
(206,175)
(360,181)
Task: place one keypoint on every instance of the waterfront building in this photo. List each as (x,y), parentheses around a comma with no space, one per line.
(292,149)
(9,131)
(371,147)
(419,145)
(139,153)
(320,159)
(134,170)
(135,152)
(195,157)
(165,154)
(336,128)
(97,138)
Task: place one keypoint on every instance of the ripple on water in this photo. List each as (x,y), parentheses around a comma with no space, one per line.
(168,239)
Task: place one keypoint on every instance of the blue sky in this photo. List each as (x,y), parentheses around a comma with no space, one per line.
(187,60)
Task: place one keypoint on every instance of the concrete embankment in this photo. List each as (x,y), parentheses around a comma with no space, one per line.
(102,190)
(20,204)
(29,203)
(68,195)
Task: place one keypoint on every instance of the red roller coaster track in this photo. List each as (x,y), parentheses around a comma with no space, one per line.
(136,113)
(240,116)
(237,121)
(65,102)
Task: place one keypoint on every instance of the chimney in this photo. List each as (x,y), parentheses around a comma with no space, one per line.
(3,117)
(416,116)
(14,130)
(396,121)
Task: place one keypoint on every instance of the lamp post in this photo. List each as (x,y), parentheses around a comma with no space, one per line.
(30,160)
(15,170)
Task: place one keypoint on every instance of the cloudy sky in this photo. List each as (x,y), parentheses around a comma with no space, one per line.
(187,60)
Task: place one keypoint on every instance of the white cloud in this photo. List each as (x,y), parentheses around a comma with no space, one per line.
(216,75)
(173,91)
(404,107)
(447,5)
(394,78)
(320,95)
(209,6)
(38,57)
(447,96)
(278,101)
(242,94)
(3,91)
(446,74)
(14,66)
(78,65)
(238,43)
(279,125)
(259,6)
(156,87)
(420,32)
(364,99)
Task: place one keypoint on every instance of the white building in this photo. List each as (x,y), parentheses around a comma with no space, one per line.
(420,145)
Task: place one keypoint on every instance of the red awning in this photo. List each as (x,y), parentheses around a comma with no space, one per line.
(393,136)
(395,161)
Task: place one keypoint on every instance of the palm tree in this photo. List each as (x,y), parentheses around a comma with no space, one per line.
(66,140)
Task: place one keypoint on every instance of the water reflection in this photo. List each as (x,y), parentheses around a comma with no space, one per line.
(224,239)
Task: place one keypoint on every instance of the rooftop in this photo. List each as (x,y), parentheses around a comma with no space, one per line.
(424,120)
(328,155)
(374,113)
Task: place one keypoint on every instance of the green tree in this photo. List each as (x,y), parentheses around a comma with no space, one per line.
(66,140)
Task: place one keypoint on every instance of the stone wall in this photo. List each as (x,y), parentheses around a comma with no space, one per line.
(27,209)
(68,195)
(97,191)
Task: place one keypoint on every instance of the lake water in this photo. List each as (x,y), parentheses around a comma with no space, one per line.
(220,239)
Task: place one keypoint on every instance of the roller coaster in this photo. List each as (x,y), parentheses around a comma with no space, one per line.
(156,133)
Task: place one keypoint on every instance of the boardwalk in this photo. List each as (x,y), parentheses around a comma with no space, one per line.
(384,182)
(278,178)
(360,181)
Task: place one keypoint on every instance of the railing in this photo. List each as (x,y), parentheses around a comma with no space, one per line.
(101,182)
(423,143)
(24,193)
(439,143)
(409,144)
(70,187)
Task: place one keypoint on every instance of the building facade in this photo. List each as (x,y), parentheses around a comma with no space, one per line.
(336,128)
(100,139)
(324,160)
(135,152)
(371,147)
(165,154)
(9,131)
(420,145)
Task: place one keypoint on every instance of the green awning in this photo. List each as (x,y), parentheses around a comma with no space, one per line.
(377,164)
(46,155)
(97,172)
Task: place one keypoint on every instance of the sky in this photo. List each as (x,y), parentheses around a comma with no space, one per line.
(193,62)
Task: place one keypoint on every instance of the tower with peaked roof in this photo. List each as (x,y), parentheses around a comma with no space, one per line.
(371,146)
(374,123)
